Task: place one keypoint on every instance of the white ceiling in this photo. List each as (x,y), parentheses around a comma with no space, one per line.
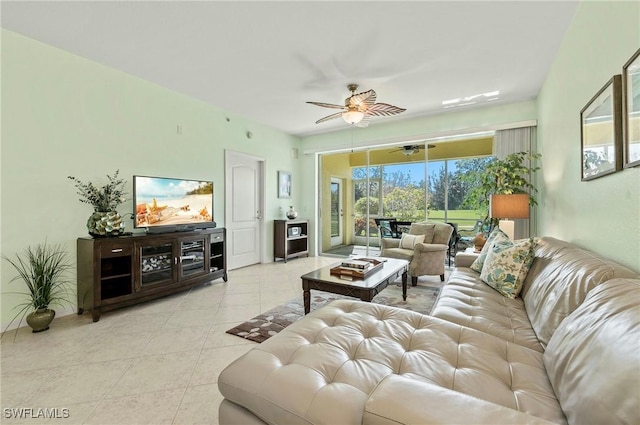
(264,59)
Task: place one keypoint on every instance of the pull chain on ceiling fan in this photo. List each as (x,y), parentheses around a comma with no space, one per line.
(359,107)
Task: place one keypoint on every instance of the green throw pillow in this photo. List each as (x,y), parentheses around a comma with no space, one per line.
(506,266)
(479,262)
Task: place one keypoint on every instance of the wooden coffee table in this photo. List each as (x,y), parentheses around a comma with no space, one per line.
(365,289)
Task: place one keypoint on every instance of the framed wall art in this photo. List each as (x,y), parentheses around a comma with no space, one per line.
(631,110)
(601,131)
(284,184)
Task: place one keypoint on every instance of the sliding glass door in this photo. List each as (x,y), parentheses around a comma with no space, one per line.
(409,184)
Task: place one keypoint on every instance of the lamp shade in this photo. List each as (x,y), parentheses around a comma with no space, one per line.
(510,206)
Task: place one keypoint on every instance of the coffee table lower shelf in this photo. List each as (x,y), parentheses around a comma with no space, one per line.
(364,289)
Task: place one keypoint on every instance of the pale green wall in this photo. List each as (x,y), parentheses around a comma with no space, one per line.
(64,115)
(602,215)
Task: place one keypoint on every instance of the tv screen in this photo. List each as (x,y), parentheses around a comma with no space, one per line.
(162,201)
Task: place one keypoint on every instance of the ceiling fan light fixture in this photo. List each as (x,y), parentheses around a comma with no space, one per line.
(409,152)
(352,117)
(359,107)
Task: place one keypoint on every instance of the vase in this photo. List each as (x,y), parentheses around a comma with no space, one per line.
(40,319)
(291,214)
(105,223)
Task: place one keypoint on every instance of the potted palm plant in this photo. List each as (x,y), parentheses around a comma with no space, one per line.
(43,269)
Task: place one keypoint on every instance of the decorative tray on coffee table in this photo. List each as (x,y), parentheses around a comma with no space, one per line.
(354,272)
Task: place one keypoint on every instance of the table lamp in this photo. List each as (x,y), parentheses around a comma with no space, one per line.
(507,207)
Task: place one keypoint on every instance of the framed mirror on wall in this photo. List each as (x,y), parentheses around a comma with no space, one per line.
(601,131)
(631,110)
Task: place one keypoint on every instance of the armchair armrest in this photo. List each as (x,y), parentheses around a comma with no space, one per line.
(386,243)
(429,247)
(465,259)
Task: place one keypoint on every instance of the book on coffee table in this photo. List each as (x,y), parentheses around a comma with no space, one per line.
(356,264)
(373,266)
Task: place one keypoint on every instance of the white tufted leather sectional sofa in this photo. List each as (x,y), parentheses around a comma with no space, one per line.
(567,351)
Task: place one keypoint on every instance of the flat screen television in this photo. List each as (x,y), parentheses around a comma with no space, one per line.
(165,204)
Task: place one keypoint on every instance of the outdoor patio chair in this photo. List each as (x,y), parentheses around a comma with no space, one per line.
(386,228)
(453,243)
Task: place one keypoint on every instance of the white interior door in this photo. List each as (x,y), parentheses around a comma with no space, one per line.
(244,206)
(337,234)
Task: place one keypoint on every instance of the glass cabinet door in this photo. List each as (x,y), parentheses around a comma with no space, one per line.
(156,264)
(192,257)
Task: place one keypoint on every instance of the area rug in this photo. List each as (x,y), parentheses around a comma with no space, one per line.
(260,328)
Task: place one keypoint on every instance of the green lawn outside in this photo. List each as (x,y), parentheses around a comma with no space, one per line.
(465,219)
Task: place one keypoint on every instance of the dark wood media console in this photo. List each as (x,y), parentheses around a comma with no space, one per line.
(126,270)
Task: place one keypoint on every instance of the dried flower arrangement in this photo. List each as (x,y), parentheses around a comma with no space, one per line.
(106,198)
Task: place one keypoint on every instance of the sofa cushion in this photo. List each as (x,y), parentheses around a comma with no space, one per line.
(406,399)
(322,369)
(506,265)
(442,233)
(593,356)
(467,301)
(408,241)
(558,281)
(495,234)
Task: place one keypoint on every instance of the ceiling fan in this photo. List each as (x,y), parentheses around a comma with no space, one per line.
(411,149)
(358,108)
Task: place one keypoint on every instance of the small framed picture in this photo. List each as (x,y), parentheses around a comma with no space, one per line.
(631,110)
(284,184)
(601,131)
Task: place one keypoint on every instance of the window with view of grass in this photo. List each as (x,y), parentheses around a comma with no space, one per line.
(448,191)
(399,191)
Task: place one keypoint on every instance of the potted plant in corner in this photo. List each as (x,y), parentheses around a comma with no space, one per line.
(500,177)
(105,220)
(43,269)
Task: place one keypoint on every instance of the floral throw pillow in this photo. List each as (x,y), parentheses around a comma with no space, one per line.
(506,266)
(409,241)
(496,234)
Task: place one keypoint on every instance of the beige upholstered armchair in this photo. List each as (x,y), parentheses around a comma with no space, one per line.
(425,247)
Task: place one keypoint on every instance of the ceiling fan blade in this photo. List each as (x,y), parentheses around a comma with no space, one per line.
(328,105)
(364,122)
(329,117)
(367,98)
(384,110)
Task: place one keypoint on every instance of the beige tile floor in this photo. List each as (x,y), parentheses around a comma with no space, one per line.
(154,363)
